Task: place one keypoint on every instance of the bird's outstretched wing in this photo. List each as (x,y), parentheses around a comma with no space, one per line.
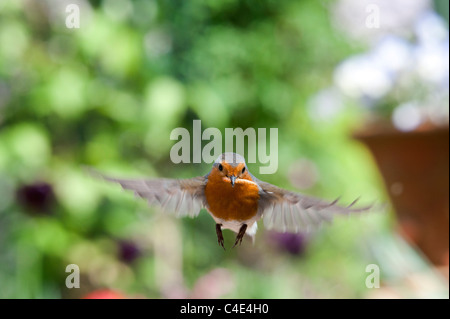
(287,211)
(182,197)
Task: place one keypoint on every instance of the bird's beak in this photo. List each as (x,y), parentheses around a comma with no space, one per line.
(233,180)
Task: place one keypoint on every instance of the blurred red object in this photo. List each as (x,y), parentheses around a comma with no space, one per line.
(104,294)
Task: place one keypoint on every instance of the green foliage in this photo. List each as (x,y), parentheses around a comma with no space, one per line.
(108,95)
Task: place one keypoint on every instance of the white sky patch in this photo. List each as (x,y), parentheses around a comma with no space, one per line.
(407,117)
(361,76)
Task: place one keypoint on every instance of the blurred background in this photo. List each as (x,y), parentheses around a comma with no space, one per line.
(357,89)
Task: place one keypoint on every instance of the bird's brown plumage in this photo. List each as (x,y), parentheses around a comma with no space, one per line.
(238,202)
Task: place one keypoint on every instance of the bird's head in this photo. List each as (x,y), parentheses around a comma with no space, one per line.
(231,167)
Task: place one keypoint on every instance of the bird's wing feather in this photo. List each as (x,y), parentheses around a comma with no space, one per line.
(287,211)
(182,197)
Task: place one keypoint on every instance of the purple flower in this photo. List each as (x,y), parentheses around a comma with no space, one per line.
(37,198)
(128,251)
(294,244)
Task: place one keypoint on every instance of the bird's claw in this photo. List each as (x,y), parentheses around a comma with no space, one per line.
(240,235)
(238,241)
(219,235)
(220,241)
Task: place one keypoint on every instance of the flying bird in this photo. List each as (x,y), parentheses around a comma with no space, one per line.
(236,200)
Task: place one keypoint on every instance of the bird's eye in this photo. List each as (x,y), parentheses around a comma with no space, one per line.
(243,170)
(220,167)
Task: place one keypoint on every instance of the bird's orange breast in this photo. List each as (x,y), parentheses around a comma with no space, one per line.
(232,203)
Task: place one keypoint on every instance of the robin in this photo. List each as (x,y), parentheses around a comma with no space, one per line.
(236,200)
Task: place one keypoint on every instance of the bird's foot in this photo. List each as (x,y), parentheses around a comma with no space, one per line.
(219,235)
(240,235)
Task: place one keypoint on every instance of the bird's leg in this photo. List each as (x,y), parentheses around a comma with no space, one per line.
(240,235)
(219,235)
